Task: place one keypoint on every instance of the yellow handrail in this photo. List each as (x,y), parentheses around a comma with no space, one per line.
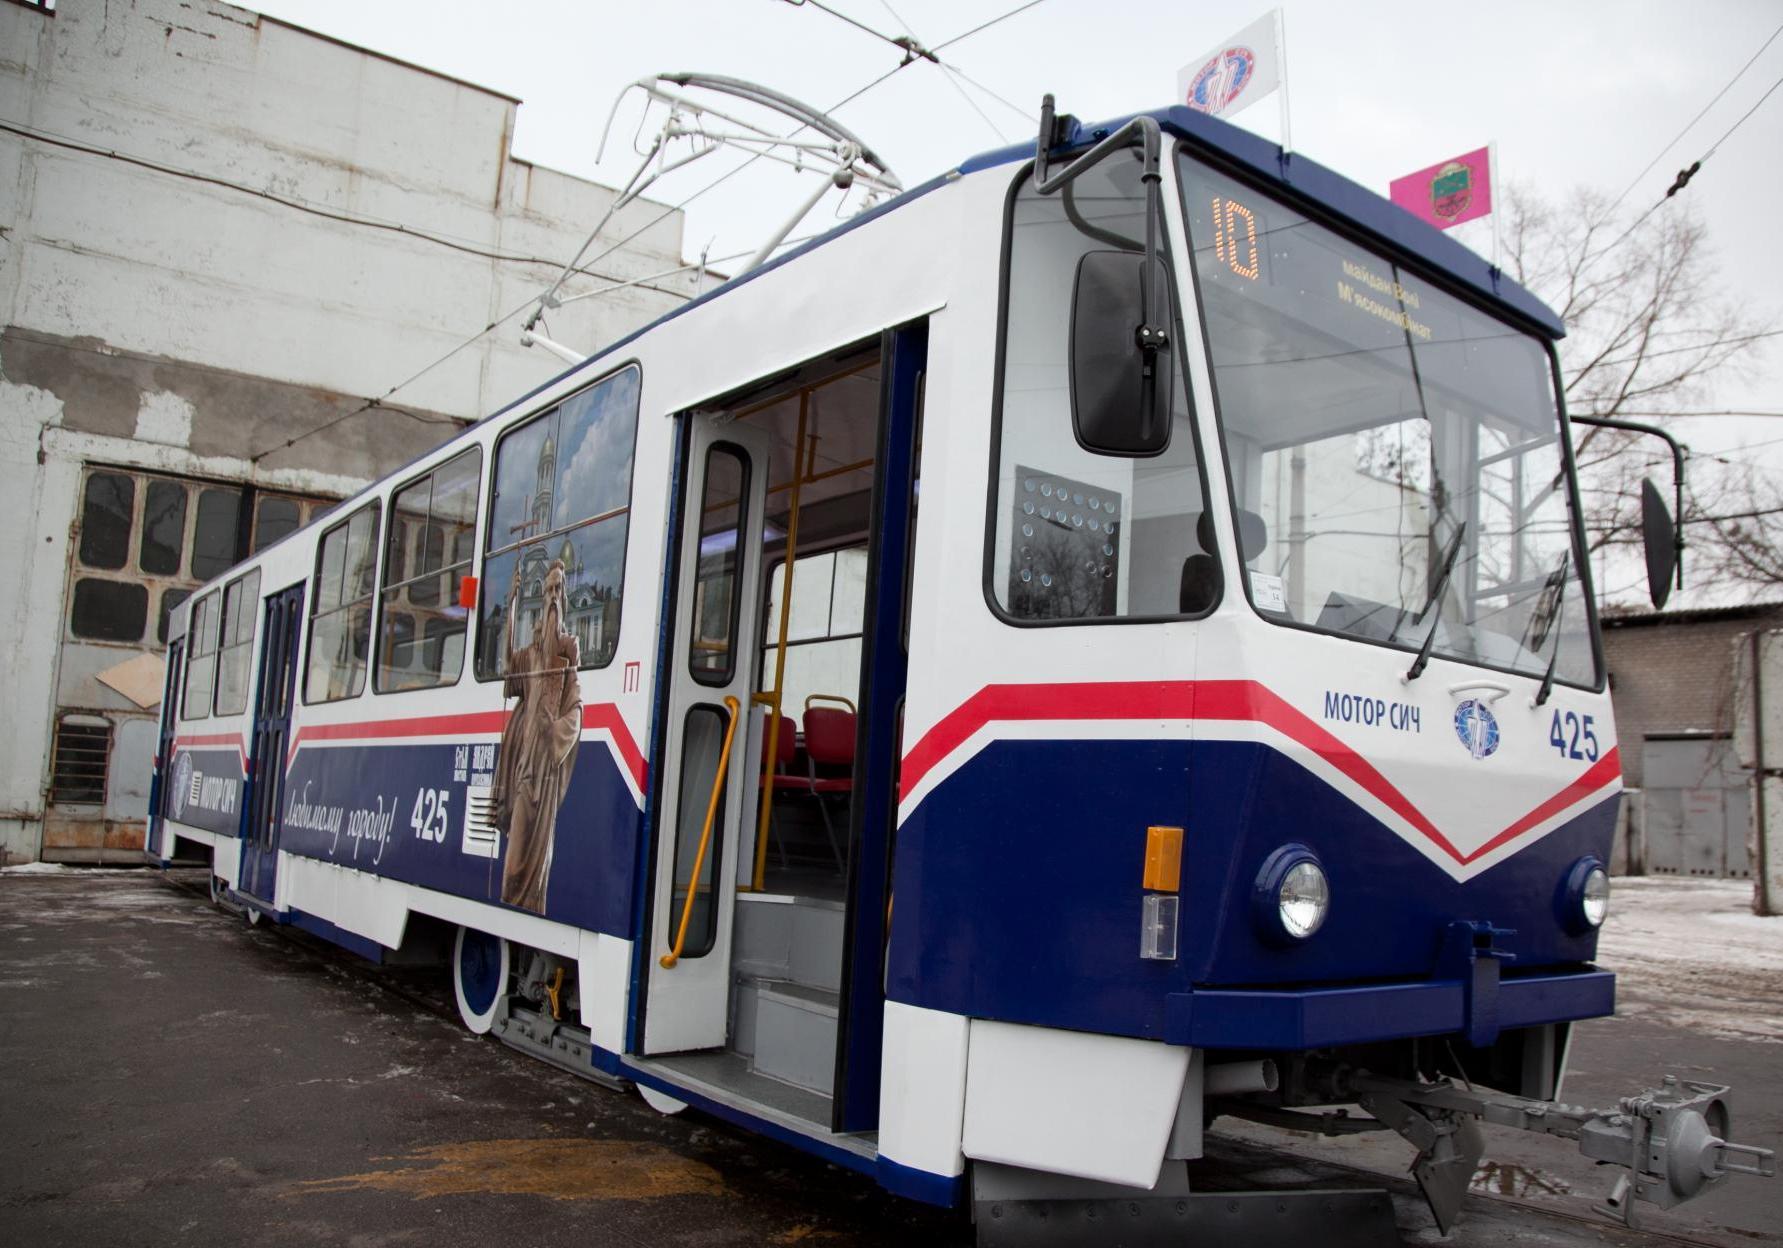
(699,858)
(799,473)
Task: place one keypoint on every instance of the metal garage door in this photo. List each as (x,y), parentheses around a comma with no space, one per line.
(1696,806)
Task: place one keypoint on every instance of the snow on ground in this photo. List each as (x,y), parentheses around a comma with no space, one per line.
(1690,953)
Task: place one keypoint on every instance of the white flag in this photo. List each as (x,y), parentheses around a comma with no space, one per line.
(1238,73)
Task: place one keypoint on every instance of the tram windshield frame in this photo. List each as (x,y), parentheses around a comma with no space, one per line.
(1376,427)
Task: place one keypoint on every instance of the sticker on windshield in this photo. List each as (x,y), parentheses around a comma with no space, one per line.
(1267,590)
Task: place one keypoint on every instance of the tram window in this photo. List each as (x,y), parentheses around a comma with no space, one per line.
(241,605)
(1077,535)
(562,502)
(340,608)
(201,657)
(428,552)
(823,632)
(712,653)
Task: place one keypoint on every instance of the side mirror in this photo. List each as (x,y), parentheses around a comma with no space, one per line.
(1660,537)
(1120,388)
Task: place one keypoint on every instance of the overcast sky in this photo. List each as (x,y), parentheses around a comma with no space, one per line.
(1582,93)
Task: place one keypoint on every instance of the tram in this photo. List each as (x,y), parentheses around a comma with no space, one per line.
(1099,641)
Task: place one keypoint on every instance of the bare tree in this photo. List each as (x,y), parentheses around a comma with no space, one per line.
(1649,336)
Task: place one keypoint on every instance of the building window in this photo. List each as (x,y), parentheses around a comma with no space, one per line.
(432,540)
(82,752)
(241,607)
(340,608)
(155,539)
(45,6)
(557,529)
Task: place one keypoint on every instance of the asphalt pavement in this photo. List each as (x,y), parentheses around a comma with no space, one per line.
(176,1076)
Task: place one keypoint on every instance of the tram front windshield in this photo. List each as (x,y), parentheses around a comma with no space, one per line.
(1378,429)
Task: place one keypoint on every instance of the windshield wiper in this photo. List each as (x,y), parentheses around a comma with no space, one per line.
(1559,586)
(1436,592)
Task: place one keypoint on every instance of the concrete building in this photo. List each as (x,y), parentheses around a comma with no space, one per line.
(221,238)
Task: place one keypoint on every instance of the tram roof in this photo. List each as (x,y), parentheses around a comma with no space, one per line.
(1307,180)
(1301,177)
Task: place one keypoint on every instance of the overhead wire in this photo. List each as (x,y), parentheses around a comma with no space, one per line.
(438,239)
(1726,87)
(380,400)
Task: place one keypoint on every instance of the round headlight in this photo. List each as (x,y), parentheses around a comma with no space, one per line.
(1583,900)
(1291,896)
(1594,897)
(1304,898)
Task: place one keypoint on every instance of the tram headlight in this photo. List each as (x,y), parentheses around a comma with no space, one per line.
(1585,896)
(1292,895)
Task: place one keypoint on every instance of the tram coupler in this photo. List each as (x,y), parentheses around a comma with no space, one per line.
(1672,1140)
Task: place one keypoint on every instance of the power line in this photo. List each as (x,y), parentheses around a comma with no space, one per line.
(984,26)
(374,223)
(1686,130)
(380,400)
(1743,116)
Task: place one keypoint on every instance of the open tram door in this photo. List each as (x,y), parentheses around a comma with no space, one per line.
(784,1007)
(705,794)
(173,682)
(274,692)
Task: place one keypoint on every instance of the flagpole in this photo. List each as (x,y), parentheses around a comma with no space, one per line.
(1281,46)
(1492,184)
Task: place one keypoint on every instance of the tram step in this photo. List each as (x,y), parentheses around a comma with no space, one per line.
(798,939)
(795,1034)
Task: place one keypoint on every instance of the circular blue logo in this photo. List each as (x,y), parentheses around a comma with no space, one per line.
(182,779)
(1221,79)
(1477,727)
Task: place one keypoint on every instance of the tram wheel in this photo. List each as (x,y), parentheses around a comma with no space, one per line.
(661,1102)
(479,977)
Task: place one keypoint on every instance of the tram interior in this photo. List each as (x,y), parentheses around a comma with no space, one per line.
(787,945)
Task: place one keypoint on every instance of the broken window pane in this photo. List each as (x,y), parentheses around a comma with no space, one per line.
(105,520)
(109,610)
(163,528)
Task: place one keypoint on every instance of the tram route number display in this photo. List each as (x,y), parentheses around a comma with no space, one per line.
(1236,247)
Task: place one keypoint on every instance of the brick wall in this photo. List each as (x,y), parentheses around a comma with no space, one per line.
(1674,673)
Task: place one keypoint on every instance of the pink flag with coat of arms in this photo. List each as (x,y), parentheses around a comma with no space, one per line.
(1449,192)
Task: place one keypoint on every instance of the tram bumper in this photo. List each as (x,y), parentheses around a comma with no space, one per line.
(1477,1005)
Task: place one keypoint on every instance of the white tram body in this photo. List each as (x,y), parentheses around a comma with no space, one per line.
(1109,776)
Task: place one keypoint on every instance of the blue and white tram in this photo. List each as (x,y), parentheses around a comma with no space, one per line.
(1070,652)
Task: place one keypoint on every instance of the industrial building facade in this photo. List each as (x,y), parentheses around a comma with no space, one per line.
(223,240)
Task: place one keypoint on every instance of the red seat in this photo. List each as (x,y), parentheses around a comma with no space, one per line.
(829,743)
(786,750)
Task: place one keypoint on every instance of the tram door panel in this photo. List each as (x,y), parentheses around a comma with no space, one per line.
(170,714)
(707,797)
(272,735)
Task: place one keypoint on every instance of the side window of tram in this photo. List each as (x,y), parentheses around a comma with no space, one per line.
(555,547)
(340,608)
(712,657)
(241,605)
(432,539)
(201,659)
(1076,534)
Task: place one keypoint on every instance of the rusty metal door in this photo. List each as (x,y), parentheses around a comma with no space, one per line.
(1695,806)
